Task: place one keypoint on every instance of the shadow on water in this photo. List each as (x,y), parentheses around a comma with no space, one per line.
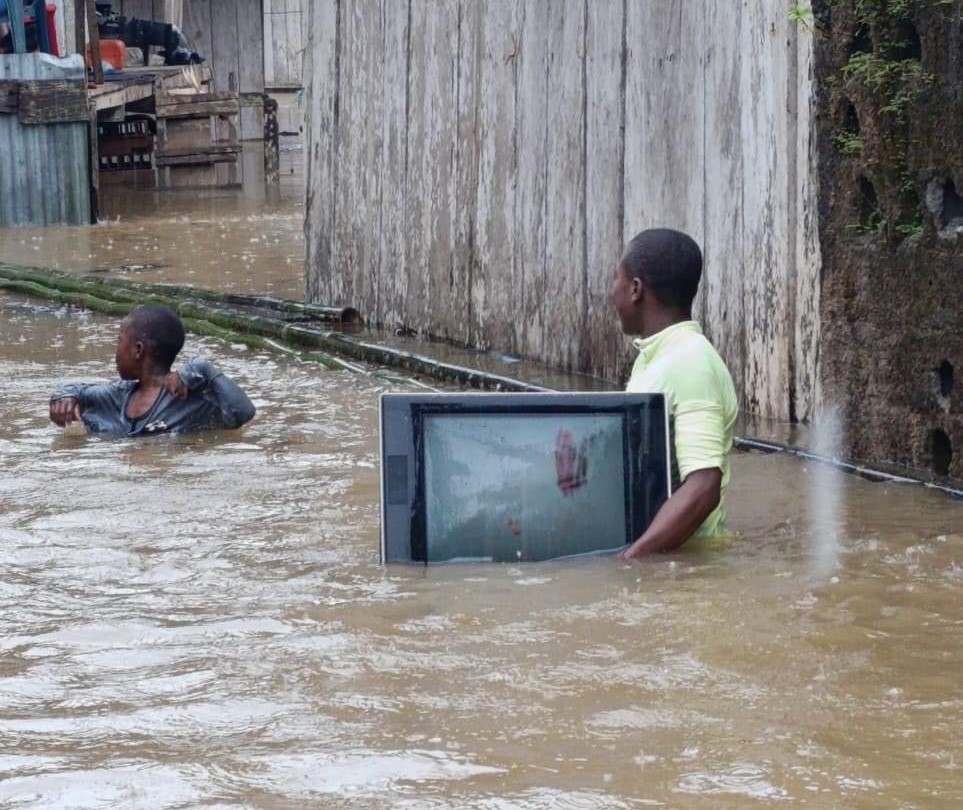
(201,621)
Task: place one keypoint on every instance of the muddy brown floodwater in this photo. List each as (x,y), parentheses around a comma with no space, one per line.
(201,622)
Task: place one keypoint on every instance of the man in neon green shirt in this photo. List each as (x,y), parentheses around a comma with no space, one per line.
(655,284)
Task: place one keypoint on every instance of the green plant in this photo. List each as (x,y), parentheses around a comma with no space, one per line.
(897,83)
(875,224)
(802,14)
(894,9)
(911,230)
(849,143)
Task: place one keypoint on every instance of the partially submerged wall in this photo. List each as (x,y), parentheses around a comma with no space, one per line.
(44,144)
(474,169)
(891,160)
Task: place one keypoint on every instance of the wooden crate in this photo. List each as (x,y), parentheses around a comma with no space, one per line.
(197,143)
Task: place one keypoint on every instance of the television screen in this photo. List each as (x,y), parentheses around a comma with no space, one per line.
(523,486)
(529,476)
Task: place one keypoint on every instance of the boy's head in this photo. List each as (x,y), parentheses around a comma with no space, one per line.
(658,274)
(150,339)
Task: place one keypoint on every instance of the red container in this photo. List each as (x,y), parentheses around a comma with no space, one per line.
(112,51)
(51,28)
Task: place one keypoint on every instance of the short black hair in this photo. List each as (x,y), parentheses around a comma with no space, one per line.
(668,262)
(159,329)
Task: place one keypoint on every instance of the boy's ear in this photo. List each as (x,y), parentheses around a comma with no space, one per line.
(139,349)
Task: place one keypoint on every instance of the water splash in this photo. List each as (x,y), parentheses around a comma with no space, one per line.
(825,493)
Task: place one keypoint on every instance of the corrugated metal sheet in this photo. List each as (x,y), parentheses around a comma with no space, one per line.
(44,169)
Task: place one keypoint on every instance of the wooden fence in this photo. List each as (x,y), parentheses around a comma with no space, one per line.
(475,167)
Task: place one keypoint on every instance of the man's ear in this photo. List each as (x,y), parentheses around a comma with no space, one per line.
(637,290)
(139,349)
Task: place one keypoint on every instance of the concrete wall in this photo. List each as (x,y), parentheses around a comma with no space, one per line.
(892,230)
(475,166)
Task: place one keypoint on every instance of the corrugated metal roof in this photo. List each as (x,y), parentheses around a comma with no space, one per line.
(44,168)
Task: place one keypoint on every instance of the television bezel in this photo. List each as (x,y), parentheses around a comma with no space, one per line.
(500,402)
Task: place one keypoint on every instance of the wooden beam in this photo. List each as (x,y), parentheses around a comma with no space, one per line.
(168,100)
(117,94)
(9,97)
(195,159)
(50,101)
(80,27)
(94,150)
(189,110)
(94,35)
(207,149)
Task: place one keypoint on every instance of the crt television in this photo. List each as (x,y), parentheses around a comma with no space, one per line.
(507,477)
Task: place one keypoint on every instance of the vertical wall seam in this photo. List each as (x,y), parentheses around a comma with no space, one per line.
(622,145)
(404,182)
(453,250)
(743,330)
(581,343)
(792,213)
(520,26)
(379,314)
(517,296)
(335,140)
(545,147)
(704,304)
(476,170)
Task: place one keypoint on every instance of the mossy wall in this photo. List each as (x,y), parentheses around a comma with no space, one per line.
(890,142)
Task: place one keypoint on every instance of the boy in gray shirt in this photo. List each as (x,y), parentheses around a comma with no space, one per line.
(149,398)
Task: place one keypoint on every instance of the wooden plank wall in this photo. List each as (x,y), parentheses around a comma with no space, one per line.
(45,171)
(284,22)
(476,167)
(229,34)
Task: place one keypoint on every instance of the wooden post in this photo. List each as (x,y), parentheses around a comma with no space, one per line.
(272,150)
(40,20)
(94,34)
(17,32)
(80,30)
(94,143)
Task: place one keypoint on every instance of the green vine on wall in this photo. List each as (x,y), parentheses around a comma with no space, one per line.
(884,78)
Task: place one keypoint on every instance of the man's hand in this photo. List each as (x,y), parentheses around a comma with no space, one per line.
(175,386)
(65,411)
(680,516)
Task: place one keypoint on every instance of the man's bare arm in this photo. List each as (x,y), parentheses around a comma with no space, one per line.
(681,515)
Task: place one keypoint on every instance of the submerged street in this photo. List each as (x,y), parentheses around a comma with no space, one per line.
(202,621)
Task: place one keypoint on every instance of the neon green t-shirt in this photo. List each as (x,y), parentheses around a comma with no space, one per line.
(680,363)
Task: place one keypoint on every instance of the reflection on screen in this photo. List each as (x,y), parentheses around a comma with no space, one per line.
(523,486)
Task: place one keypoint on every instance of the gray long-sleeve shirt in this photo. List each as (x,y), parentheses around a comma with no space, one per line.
(214,401)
